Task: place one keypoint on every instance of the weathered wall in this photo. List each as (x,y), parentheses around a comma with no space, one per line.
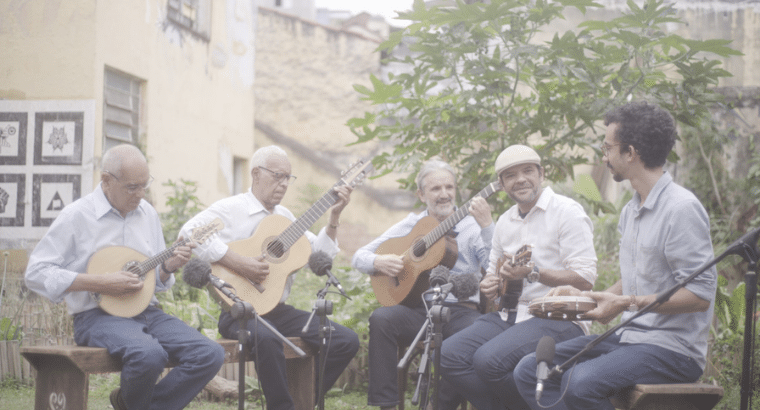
(304,80)
(197,97)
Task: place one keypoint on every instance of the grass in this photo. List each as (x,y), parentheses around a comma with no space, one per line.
(15,395)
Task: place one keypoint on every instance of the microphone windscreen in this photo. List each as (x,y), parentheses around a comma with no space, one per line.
(196,272)
(320,262)
(545,350)
(465,285)
(439,276)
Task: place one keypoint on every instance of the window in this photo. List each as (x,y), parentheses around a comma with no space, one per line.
(121,109)
(239,173)
(192,15)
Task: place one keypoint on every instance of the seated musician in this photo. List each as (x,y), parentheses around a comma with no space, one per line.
(115,214)
(241,215)
(665,237)
(391,326)
(478,362)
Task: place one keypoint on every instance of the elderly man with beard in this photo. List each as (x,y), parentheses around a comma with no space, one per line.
(390,326)
(478,362)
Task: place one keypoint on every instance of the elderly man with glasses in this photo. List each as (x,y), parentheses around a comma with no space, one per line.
(115,214)
(242,214)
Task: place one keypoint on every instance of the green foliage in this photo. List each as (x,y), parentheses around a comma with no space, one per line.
(482,77)
(183,204)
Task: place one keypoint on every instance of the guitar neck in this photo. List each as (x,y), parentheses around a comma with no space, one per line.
(290,235)
(160,258)
(453,219)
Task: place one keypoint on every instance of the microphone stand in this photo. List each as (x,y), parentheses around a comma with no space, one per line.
(433,329)
(322,308)
(242,311)
(746,247)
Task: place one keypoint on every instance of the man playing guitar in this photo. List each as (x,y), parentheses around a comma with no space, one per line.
(242,214)
(478,361)
(390,326)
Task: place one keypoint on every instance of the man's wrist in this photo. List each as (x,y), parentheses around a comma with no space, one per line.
(165,269)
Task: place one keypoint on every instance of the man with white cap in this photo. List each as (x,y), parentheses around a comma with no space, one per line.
(479,360)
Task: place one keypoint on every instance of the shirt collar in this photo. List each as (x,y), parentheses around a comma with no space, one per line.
(103,206)
(253,204)
(657,189)
(543,204)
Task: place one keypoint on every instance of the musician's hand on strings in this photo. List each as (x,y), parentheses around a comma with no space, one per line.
(389,265)
(608,306)
(481,211)
(344,197)
(509,272)
(489,286)
(564,290)
(180,256)
(256,269)
(120,283)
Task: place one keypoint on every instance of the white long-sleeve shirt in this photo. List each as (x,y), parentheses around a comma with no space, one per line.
(82,228)
(241,215)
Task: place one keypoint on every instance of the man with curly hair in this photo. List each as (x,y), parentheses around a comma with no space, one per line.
(665,237)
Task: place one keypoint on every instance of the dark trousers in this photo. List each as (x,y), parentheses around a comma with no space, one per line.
(267,352)
(603,372)
(391,326)
(478,362)
(145,344)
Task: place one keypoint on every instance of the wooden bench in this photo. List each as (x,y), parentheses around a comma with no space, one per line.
(686,396)
(63,372)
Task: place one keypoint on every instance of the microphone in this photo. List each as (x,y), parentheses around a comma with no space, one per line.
(439,276)
(465,286)
(320,263)
(544,357)
(197,273)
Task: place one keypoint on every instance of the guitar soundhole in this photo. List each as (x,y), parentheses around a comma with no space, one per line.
(276,249)
(419,249)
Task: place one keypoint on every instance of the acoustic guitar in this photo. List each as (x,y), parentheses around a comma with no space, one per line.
(284,247)
(511,290)
(420,250)
(122,258)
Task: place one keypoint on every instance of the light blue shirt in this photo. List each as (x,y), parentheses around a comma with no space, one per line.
(82,228)
(663,242)
(241,215)
(473,242)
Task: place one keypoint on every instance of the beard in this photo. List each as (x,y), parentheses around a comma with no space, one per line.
(526,198)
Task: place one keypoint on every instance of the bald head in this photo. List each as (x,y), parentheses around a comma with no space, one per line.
(122,155)
(124,177)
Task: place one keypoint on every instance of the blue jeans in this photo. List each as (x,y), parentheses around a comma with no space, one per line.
(145,344)
(266,349)
(479,361)
(607,369)
(391,326)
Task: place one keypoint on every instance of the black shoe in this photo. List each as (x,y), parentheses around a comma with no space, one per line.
(116,401)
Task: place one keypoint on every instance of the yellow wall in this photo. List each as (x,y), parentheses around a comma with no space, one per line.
(198,94)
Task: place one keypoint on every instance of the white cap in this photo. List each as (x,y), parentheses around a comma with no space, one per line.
(516,155)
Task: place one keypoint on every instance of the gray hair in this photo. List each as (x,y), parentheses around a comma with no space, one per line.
(430,166)
(114,158)
(260,157)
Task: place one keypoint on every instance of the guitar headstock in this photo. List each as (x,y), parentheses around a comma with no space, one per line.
(522,256)
(202,233)
(357,172)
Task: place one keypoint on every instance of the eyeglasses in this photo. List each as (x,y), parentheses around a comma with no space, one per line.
(133,188)
(279,176)
(606,148)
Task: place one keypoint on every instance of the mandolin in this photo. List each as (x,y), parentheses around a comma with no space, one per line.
(510,290)
(122,258)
